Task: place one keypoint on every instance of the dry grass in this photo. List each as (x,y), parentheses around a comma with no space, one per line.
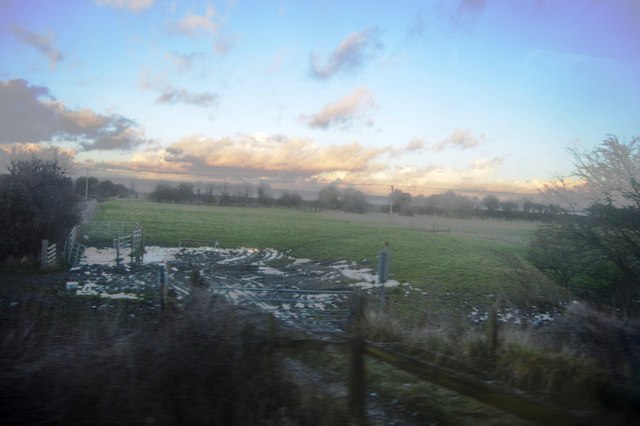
(585,360)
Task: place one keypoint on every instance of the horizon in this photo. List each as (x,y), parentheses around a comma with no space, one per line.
(472,96)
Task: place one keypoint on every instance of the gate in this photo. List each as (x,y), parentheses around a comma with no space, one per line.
(107,242)
(316,311)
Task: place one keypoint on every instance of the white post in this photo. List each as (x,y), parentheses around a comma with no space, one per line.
(43,260)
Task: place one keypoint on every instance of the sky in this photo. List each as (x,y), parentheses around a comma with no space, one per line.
(477,96)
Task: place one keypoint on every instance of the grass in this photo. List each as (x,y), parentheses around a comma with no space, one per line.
(470,265)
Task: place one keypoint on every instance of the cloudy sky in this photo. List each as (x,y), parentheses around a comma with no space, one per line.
(479,95)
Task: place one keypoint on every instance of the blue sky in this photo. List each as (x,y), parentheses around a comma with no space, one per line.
(478,95)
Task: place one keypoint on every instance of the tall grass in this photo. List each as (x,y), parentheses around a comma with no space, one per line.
(585,360)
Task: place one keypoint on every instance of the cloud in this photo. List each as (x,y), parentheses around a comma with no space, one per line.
(182,61)
(168,94)
(26,151)
(42,44)
(415,144)
(196,25)
(29,114)
(350,55)
(131,5)
(467,14)
(455,18)
(251,156)
(488,164)
(172,95)
(459,139)
(417,27)
(344,112)
(223,45)
(298,161)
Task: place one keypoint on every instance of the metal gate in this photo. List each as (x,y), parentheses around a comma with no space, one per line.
(107,242)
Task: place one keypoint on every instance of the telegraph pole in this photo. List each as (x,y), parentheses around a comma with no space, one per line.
(86,186)
(391,201)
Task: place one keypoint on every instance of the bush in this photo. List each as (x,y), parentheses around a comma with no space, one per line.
(37,202)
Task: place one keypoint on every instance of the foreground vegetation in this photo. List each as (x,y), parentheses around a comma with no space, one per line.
(456,269)
(66,362)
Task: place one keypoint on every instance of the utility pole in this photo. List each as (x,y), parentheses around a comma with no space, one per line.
(86,186)
(391,201)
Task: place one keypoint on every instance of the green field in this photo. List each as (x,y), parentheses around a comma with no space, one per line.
(470,264)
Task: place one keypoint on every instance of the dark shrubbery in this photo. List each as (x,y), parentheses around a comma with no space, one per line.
(66,363)
(37,202)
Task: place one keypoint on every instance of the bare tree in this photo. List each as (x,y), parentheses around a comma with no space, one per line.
(597,252)
(603,175)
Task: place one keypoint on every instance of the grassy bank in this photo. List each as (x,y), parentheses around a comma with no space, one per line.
(472,264)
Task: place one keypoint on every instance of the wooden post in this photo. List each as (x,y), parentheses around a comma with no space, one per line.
(162,281)
(356,400)
(357,309)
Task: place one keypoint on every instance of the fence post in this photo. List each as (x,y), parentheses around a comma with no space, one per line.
(118,250)
(357,309)
(492,329)
(356,399)
(162,286)
(45,252)
(383,271)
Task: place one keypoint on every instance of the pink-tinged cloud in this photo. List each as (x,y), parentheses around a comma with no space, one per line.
(350,55)
(29,114)
(345,112)
(26,151)
(196,25)
(251,156)
(131,5)
(459,139)
(42,44)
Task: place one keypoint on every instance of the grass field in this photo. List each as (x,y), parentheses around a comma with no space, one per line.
(473,264)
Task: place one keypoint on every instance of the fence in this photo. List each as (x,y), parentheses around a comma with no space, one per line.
(73,250)
(111,242)
(504,399)
(314,311)
(198,243)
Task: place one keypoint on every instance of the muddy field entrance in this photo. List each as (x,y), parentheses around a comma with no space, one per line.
(312,296)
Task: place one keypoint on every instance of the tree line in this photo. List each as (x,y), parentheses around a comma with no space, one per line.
(224,194)
(92,187)
(331,197)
